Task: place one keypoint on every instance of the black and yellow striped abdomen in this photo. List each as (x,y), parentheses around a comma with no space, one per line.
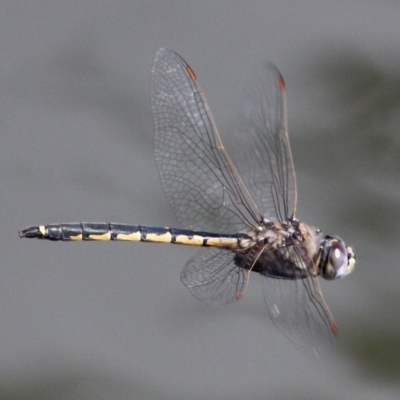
(89,231)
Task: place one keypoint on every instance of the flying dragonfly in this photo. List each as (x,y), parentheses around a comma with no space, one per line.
(244,222)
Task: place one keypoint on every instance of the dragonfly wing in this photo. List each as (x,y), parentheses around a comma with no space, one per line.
(264,155)
(213,278)
(198,178)
(299,312)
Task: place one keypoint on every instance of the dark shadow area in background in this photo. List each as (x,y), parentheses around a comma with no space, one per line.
(48,380)
(362,101)
(360,147)
(377,352)
(55,381)
(360,151)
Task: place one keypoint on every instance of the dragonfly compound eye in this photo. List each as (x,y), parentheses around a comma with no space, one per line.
(340,260)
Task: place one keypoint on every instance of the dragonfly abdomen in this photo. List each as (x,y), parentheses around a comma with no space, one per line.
(89,231)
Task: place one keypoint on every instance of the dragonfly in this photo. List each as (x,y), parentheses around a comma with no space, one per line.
(245,221)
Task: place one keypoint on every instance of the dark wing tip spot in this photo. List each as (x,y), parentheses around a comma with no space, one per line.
(281,83)
(334,329)
(191,73)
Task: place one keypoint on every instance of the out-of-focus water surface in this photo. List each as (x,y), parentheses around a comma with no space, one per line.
(112,320)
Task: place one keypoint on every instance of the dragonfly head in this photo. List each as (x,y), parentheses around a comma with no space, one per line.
(337,260)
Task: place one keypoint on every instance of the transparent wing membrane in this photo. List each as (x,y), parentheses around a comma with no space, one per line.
(213,278)
(198,178)
(264,156)
(298,310)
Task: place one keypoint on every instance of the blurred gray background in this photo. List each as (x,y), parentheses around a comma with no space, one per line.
(112,320)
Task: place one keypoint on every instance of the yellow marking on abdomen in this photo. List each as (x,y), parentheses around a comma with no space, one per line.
(77,237)
(161,238)
(132,237)
(104,236)
(194,240)
(222,242)
(42,229)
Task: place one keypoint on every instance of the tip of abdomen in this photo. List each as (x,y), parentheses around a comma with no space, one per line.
(31,232)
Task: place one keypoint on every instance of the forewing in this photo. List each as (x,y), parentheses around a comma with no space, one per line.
(264,155)
(299,312)
(213,278)
(200,182)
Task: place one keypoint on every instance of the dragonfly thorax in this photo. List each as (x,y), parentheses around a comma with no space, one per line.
(288,233)
(285,250)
